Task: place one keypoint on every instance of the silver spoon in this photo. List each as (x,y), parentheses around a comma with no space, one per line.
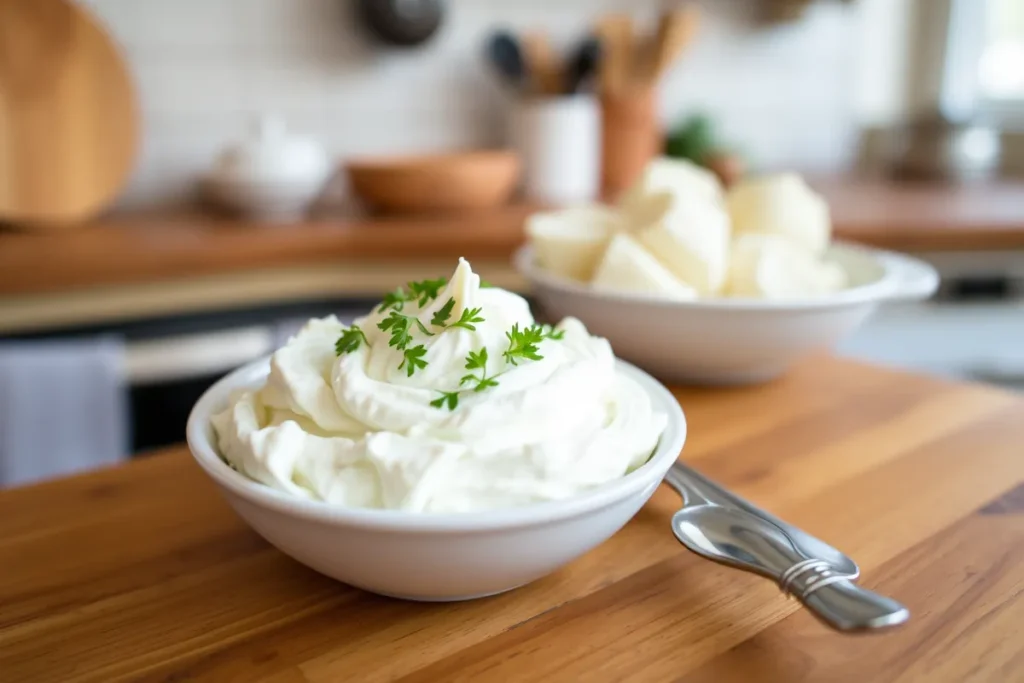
(684,478)
(746,541)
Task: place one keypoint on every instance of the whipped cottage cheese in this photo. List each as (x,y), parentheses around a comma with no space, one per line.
(357,429)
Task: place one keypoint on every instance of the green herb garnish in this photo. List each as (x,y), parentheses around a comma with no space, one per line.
(398,325)
(422,292)
(474,361)
(449,397)
(413,359)
(522,344)
(469,316)
(478,361)
(395,300)
(350,340)
(442,314)
(466,320)
(426,290)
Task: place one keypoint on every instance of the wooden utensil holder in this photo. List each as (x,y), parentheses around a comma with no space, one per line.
(630,138)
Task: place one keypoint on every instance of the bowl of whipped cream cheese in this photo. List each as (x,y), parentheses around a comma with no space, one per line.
(700,285)
(444,447)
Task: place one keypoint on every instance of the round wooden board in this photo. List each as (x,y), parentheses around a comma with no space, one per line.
(68,116)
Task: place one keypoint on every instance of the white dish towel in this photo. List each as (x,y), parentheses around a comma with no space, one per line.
(63,407)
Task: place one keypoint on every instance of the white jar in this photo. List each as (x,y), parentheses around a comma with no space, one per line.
(271,174)
(559,141)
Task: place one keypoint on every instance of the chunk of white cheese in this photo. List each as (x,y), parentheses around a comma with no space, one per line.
(774,267)
(691,239)
(570,242)
(628,267)
(663,184)
(780,204)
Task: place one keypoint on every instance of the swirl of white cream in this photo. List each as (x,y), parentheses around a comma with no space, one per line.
(359,430)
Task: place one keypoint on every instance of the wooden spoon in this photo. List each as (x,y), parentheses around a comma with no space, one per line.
(542,64)
(615,31)
(675,31)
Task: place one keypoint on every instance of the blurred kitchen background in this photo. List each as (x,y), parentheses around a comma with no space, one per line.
(180,201)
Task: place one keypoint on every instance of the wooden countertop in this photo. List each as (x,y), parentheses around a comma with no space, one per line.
(144,572)
(142,249)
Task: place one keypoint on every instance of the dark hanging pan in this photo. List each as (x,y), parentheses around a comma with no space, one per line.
(403,23)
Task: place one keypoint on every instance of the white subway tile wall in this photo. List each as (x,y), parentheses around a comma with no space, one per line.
(204,68)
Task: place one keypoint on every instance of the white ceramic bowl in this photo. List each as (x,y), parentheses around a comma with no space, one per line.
(731,341)
(272,202)
(423,556)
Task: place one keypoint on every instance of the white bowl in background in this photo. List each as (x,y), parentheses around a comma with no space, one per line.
(424,556)
(269,201)
(731,341)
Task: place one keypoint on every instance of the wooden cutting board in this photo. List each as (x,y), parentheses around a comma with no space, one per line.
(143,572)
(68,116)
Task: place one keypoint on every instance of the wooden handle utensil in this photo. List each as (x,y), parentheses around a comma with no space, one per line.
(615,32)
(542,64)
(675,31)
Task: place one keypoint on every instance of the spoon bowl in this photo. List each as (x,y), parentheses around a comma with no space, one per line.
(696,489)
(737,538)
(732,537)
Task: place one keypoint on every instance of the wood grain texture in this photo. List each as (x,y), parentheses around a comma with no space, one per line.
(142,572)
(68,118)
(149,248)
(160,247)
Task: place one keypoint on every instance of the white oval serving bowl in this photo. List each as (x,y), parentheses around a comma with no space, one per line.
(731,341)
(424,556)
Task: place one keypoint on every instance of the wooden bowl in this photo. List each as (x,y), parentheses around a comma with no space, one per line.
(435,183)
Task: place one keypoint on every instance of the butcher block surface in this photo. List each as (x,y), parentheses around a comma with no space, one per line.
(154,247)
(142,572)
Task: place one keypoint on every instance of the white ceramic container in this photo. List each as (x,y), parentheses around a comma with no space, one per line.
(436,557)
(732,341)
(559,142)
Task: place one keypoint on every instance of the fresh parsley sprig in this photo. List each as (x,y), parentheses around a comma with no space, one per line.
(426,290)
(475,360)
(449,397)
(394,300)
(412,359)
(399,327)
(469,317)
(478,361)
(422,292)
(442,314)
(350,340)
(467,320)
(522,344)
